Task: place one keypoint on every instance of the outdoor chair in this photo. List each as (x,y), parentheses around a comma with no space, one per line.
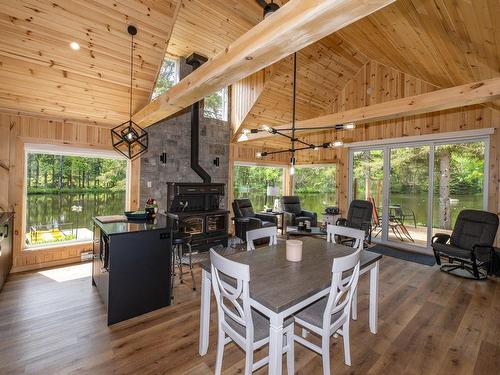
(470,245)
(395,225)
(293,212)
(359,217)
(403,213)
(246,219)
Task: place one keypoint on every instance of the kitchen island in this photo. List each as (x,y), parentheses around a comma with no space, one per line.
(131,265)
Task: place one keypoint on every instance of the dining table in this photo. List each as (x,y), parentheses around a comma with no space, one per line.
(280,288)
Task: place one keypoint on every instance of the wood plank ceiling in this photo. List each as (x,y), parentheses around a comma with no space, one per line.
(444,42)
(40,74)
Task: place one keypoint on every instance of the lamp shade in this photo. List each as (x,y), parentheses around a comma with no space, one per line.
(129,139)
(272,191)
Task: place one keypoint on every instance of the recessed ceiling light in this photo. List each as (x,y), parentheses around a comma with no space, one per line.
(75,46)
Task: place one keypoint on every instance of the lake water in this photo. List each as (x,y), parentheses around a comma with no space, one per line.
(416,202)
(46,209)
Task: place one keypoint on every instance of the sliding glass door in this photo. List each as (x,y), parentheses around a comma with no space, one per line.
(408,195)
(459,182)
(419,188)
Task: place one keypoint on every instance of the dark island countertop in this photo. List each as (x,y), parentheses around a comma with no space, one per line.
(130,226)
(5,216)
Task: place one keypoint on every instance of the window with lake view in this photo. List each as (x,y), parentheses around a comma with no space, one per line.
(253,181)
(316,187)
(64,192)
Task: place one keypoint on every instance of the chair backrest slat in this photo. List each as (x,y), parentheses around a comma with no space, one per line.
(255,234)
(357,234)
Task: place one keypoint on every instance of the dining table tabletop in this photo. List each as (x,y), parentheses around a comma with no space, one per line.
(279,288)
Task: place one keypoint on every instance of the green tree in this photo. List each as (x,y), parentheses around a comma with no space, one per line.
(167,77)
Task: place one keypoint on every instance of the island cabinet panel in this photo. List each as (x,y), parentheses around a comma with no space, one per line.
(131,268)
(6,224)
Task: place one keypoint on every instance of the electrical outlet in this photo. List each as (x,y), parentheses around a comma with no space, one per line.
(149,184)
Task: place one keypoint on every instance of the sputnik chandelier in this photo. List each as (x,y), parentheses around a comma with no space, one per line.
(296,144)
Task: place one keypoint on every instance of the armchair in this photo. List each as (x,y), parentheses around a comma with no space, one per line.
(470,244)
(359,216)
(246,219)
(293,212)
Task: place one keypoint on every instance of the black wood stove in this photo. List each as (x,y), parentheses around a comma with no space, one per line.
(196,207)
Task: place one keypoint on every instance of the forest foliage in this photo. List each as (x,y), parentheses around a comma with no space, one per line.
(307,180)
(215,104)
(410,168)
(48,173)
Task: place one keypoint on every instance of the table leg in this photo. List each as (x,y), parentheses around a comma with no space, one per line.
(275,344)
(374,298)
(204,312)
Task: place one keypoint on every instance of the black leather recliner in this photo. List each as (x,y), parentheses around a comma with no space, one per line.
(294,213)
(359,216)
(470,244)
(246,219)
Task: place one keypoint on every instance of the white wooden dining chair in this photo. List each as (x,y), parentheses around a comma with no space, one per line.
(331,314)
(336,230)
(237,321)
(358,236)
(255,234)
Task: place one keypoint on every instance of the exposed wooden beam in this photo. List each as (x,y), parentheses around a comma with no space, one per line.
(454,97)
(296,25)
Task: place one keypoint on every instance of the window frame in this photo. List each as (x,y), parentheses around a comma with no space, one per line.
(176,60)
(225,105)
(249,164)
(425,140)
(50,149)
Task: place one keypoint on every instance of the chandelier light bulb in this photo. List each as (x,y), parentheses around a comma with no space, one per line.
(258,155)
(292,170)
(338,143)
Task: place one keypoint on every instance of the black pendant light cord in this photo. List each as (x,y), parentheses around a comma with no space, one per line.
(131,75)
(294,104)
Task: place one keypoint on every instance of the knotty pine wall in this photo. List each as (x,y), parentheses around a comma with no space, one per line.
(15,132)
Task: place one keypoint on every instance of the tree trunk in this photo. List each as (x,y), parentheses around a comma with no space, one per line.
(366,172)
(37,171)
(53,177)
(29,173)
(444,190)
(60,173)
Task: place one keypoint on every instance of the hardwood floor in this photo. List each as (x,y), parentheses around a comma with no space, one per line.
(429,323)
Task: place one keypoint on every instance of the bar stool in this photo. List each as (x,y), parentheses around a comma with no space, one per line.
(179,242)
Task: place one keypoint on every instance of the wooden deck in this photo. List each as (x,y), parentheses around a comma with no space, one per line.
(429,323)
(418,233)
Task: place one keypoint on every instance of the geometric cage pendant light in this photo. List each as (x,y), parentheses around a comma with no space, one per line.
(128,138)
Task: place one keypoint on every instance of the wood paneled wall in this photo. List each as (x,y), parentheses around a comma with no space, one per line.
(19,130)
(244,93)
(377,83)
